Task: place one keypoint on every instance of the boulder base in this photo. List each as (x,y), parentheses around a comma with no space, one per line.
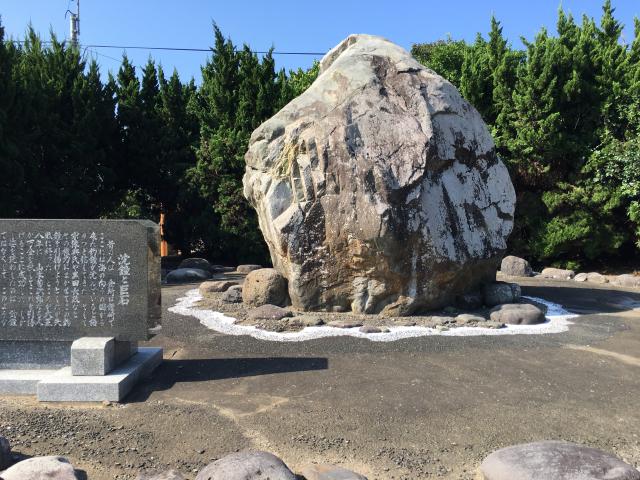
(379,188)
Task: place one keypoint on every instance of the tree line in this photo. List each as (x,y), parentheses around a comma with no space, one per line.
(564,113)
(139,143)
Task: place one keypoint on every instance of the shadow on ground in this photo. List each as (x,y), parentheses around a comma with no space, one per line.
(204,370)
(585,300)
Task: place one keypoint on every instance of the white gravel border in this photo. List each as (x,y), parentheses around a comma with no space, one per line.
(557,322)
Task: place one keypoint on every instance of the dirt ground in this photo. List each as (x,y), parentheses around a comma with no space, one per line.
(416,408)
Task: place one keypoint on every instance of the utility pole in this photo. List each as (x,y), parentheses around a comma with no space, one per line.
(74,25)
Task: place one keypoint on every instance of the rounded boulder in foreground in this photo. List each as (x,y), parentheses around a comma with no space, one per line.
(248,465)
(379,188)
(265,287)
(555,460)
(41,468)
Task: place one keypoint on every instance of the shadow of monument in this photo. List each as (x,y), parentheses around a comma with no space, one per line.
(585,300)
(205,370)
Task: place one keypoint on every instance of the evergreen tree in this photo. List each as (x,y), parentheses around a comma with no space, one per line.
(445,57)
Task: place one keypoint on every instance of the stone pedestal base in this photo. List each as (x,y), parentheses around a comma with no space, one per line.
(97,369)
(62,386)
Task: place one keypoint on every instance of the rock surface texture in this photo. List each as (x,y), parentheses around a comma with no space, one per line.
(265,286)
(515,267)
(379,188)
(41,468)
(247,465)
(557,273)
(553,460)
(517,314)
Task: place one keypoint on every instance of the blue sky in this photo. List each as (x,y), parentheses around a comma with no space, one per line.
(286,24)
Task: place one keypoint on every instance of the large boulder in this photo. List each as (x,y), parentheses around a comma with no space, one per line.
(554,460)
(379,187)
(265,286)
(515,267)
(247,465)
(41,468)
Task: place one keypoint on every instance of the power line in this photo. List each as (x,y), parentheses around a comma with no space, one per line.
(182,49)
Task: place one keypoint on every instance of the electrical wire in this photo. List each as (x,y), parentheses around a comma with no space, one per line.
(181,49)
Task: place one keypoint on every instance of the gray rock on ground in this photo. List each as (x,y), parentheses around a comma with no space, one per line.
(370,329)
(265,286)
(467,318)
(168,475)
(501,292)
(379,188)
(627,280)
(557,273)
(555,460)
(201,263)
(306,321)
(345,323)
(6,458)
(515,267)
(41,468)
(247,465)
(517,314)
(216,286)
(329,472)
(187,275)
(580,277)
(268,312)
(233,294)
(592,277)
(247,268)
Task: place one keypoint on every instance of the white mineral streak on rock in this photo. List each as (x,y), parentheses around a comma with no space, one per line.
(379,189)
(557,322)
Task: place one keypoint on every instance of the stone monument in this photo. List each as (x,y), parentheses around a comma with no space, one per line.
(76,296)
(379,188)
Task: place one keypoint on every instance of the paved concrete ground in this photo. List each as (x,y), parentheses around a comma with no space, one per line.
(412,409)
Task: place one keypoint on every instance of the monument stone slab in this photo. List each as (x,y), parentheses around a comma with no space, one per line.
(65,279)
